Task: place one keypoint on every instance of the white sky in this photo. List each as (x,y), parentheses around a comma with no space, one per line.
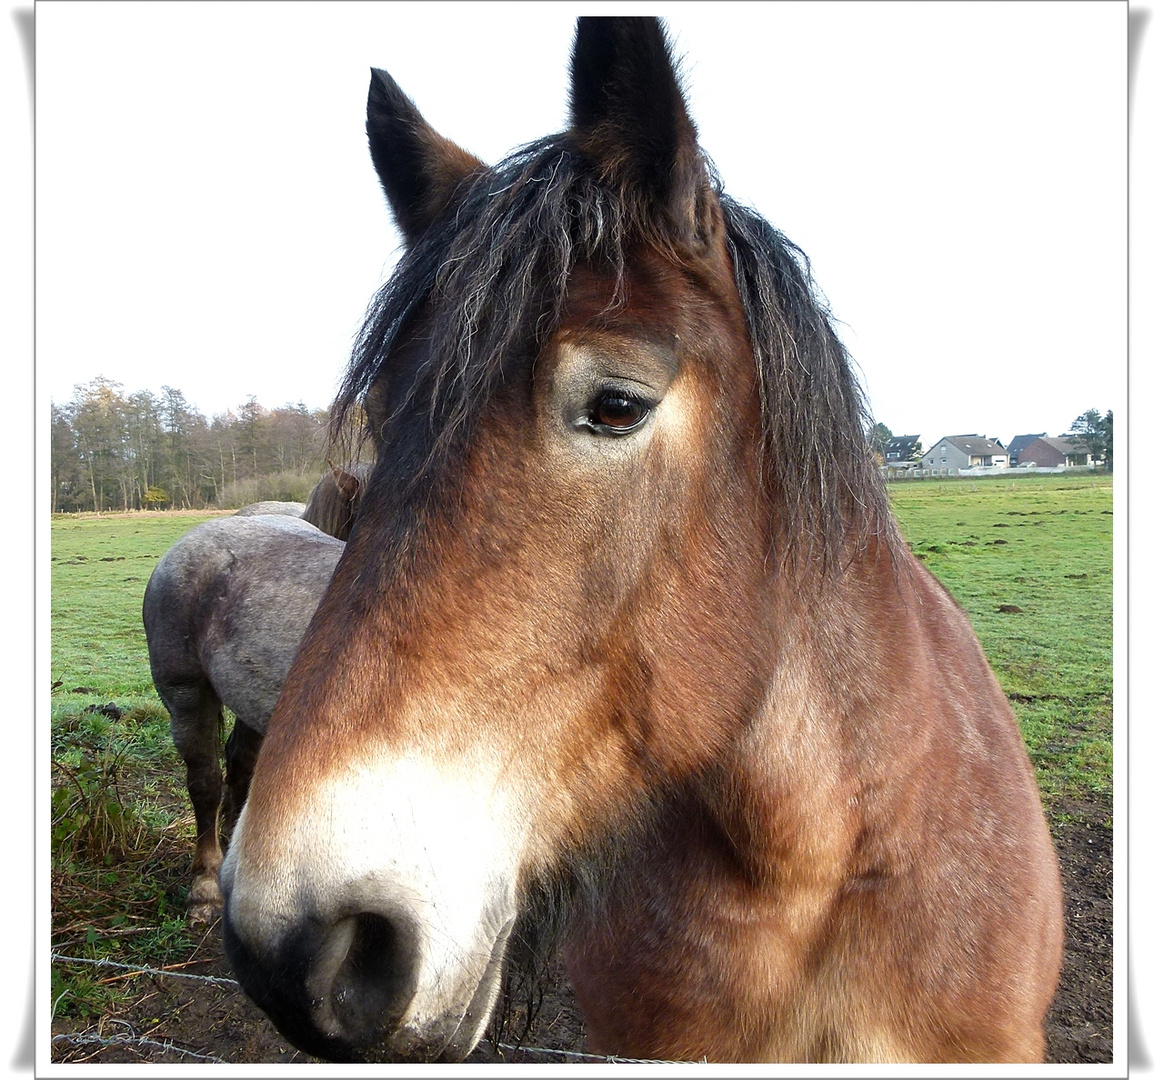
(208,218)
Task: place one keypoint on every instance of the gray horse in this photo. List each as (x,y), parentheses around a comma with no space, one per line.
(224,612)
(290,509)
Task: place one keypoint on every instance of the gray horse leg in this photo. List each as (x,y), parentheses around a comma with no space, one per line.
(242,749)
(195,722)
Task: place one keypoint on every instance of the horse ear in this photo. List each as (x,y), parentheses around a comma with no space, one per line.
(418,169)
(629,116)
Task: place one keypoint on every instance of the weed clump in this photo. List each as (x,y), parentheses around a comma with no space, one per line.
(119,853)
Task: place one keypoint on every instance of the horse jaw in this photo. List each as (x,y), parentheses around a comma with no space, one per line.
(424,849)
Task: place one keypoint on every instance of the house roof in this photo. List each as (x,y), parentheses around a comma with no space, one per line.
(902,444)
(1065,444)
(1020,442)
(975,445)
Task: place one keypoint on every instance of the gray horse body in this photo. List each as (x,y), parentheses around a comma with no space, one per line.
(289,509)
(237,594)
(224,612)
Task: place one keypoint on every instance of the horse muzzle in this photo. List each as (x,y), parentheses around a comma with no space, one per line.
(341,990)
(361,931)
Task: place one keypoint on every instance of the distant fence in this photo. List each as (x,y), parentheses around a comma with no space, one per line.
(893,472)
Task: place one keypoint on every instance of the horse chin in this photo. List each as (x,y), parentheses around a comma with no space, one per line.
(452,1037)
(440,1030)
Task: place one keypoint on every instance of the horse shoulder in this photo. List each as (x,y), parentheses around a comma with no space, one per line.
(885,812)
(952,853)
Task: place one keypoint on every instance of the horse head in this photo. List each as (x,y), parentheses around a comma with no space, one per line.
(576,644)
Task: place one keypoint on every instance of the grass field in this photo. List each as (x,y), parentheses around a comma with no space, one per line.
(122,826)
(1029,558)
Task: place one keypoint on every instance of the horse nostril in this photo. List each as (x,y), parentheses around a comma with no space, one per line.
(365,977)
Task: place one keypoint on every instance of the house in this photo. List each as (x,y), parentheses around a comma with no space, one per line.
(1049,452)
(902,449)
(954,452)
(1019,443)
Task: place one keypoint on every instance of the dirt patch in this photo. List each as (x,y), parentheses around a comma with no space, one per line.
(1079,1027)
(182,1021)
(90,515)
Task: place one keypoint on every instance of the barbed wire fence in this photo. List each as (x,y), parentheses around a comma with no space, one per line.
(133,1040)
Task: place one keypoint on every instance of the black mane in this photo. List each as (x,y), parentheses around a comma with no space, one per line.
(491,278)
(819,463)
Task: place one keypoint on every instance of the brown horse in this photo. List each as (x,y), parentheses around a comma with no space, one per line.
(608,639)
(335,500)
(331,507)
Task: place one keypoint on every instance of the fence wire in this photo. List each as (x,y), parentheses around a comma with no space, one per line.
(82,1039)
(103,1041)
(58,958)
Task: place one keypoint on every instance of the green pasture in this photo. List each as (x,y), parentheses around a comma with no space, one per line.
(100,566)
(122,825)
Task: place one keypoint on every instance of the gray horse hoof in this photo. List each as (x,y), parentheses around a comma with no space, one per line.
(203,914)
(205,901)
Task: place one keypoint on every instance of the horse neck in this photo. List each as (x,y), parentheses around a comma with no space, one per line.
(793,777)
(769,829)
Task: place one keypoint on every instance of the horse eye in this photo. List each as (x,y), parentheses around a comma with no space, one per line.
(616,412)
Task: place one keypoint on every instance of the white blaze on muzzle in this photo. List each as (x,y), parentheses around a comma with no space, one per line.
(428,850)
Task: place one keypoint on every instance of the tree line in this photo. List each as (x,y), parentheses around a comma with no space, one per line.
(117,451)
(113,451)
